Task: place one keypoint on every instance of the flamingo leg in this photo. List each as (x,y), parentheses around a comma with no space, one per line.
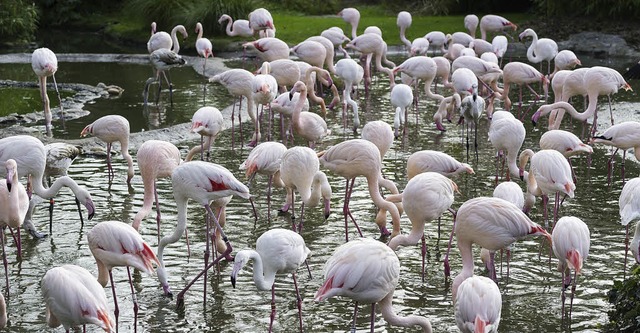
(626,252)
(573,292)
(51,202)
(355,314)
(4,258)
(116,310)
(563,296)
(424,253)
(269,182)
(61,113)
(610,167)
(298,298)
(492,266)
(135,302)
(233,116)
(447,268)
(272,317)
(109,168)
(373,315)
(624,157)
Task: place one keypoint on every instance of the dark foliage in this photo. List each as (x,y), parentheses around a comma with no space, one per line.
(625,301)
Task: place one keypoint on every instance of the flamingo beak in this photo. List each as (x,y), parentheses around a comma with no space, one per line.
(90,208)
(327,208)
(10,174)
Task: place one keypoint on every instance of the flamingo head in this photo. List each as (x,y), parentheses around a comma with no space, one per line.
(574,259)
(298,87)
(521,173)
(510,25)
(270,25)
(538,230)
(197,126)
(238,263)
(480,324)
(627,87)
(87,130)
(106,322)
(9,179)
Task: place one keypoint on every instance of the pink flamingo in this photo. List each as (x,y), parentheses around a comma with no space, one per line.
(437,39)
(351,74)
(265,159)
(109,129)
(448,106)
(566,143)
(206,121)
(285,106)
(299,171)
(203,182)
(29,154)
(435,161)
(507,135)
(358,157)
(162,40)
(551,173)
(521,74)
(478,305)
(44,63)
(566,84)
(238,83)
(494,23)
(156,159)
(380,134)
(492,223)
(235,28)
(329,51)
(372,44)
(404,22)
(59,158)
(367,271)
(311,52)
(421,68)
(471,109)
(629,204)
(459,37)
(14,203)
(163,53)
(337,37)
(623,136)
(401,98)
(203,46)
(480,46)
(471,24)
(419,46)
(425,198)
(351,16)
(260,19)
(564,60)
(278,251)
(264,89)
(571,241)
(73,297)
(308,125)
(285,71)
(114,244)
(269,48)
(543,49)
(310,75)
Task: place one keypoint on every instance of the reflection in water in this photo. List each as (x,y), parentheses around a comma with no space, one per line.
(531,295)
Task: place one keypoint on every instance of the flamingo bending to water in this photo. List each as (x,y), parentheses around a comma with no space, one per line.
(109,129)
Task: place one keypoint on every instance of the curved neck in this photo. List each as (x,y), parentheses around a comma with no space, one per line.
(386,307)
(174,39)
(149,191)
(262,282)
(381,203)
(48,193)
(414,236)
(181,205)
(467,267)
(299,105)
(530,51)
(403,38)
(199,30)
(379,67)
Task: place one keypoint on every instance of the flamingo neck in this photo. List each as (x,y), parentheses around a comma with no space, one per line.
(174,39)
(149,191)
(467,267)
(530,51)
(263,280)
(181,205)
(381,203)
(414,236)
(299,105)
(199,30)
(386,307)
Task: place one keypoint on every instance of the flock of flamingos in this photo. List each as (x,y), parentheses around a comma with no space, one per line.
(364,270)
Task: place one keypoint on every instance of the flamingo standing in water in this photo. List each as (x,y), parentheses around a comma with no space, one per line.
(494,23)
(358,157)
(269,48)
(260,19)
(73,297)
(421,68)
(623,136)
(478,305)
(203,46)
(507,134)
(367,271)
(278,251)
(156,159)
(203,182)
(238,83)
(372,44)
(629,204)
(425,198)
(264,89)
(337,37)
(571,241)
(29,154)
(380,133)
(471,24)
(307,125)
(207,121)
(401,98)
(109,129)
(59,157)
(14,203)
(404,22)
(265,159)
(163,54)
(435,161)
(543,49)
(351,74)
(564,60)
(492,223)
(44,63)
(521,74)
(113,244)
(471,109)
(566,143)
(235,28)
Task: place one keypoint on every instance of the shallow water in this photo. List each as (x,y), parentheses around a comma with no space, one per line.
(531,294)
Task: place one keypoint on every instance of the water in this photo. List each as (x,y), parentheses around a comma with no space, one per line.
(531,295)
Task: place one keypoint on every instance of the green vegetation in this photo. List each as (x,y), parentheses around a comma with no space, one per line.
(625,300)
(18,21)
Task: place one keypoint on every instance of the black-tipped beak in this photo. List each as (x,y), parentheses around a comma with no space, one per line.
(9,186)
(291,95)
(233,281)
(534,122)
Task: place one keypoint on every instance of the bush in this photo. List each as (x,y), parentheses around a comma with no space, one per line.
(18,21)
(594,8)
(625,300)
(208,12)
(166,13)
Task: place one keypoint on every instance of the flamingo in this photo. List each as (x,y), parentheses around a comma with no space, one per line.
(463,80)
(329,52)
(298,170)
(623,136)
(521,74)
(543,49)
(566,84)
(307,125)
(59,157)
(311,52)
(500,45)
(459,37)
(488,73)
(14,203)
(203,46)
(265,159)
(351,74)
(492,223)
(260,19)
(401,99)
(156,159)
(310,73)
(419,46)
(597,81)
(73,297)
(285,106)
(380,133)
(269,48)
(421,68)
(551,173)
(490,57)
(44,63)
(337,37)
(162,60)
(564,60)
(162,40)
(437,39)
(471,109)
(425,198)
(480,46)
(372,44)
(471,24)
(235,28)
(238,83)
(109,129)
(29,154)
(566,143)
(447,106)
(507,135)
(435,161)
(478,305)
(203,182)
(206,121)
(114,244)
(278,251)
(571,241)
(629,204)
(494,23)
(351,16)
(404,22)
(285,71)
(366,271)
(264,89)
(358,157)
